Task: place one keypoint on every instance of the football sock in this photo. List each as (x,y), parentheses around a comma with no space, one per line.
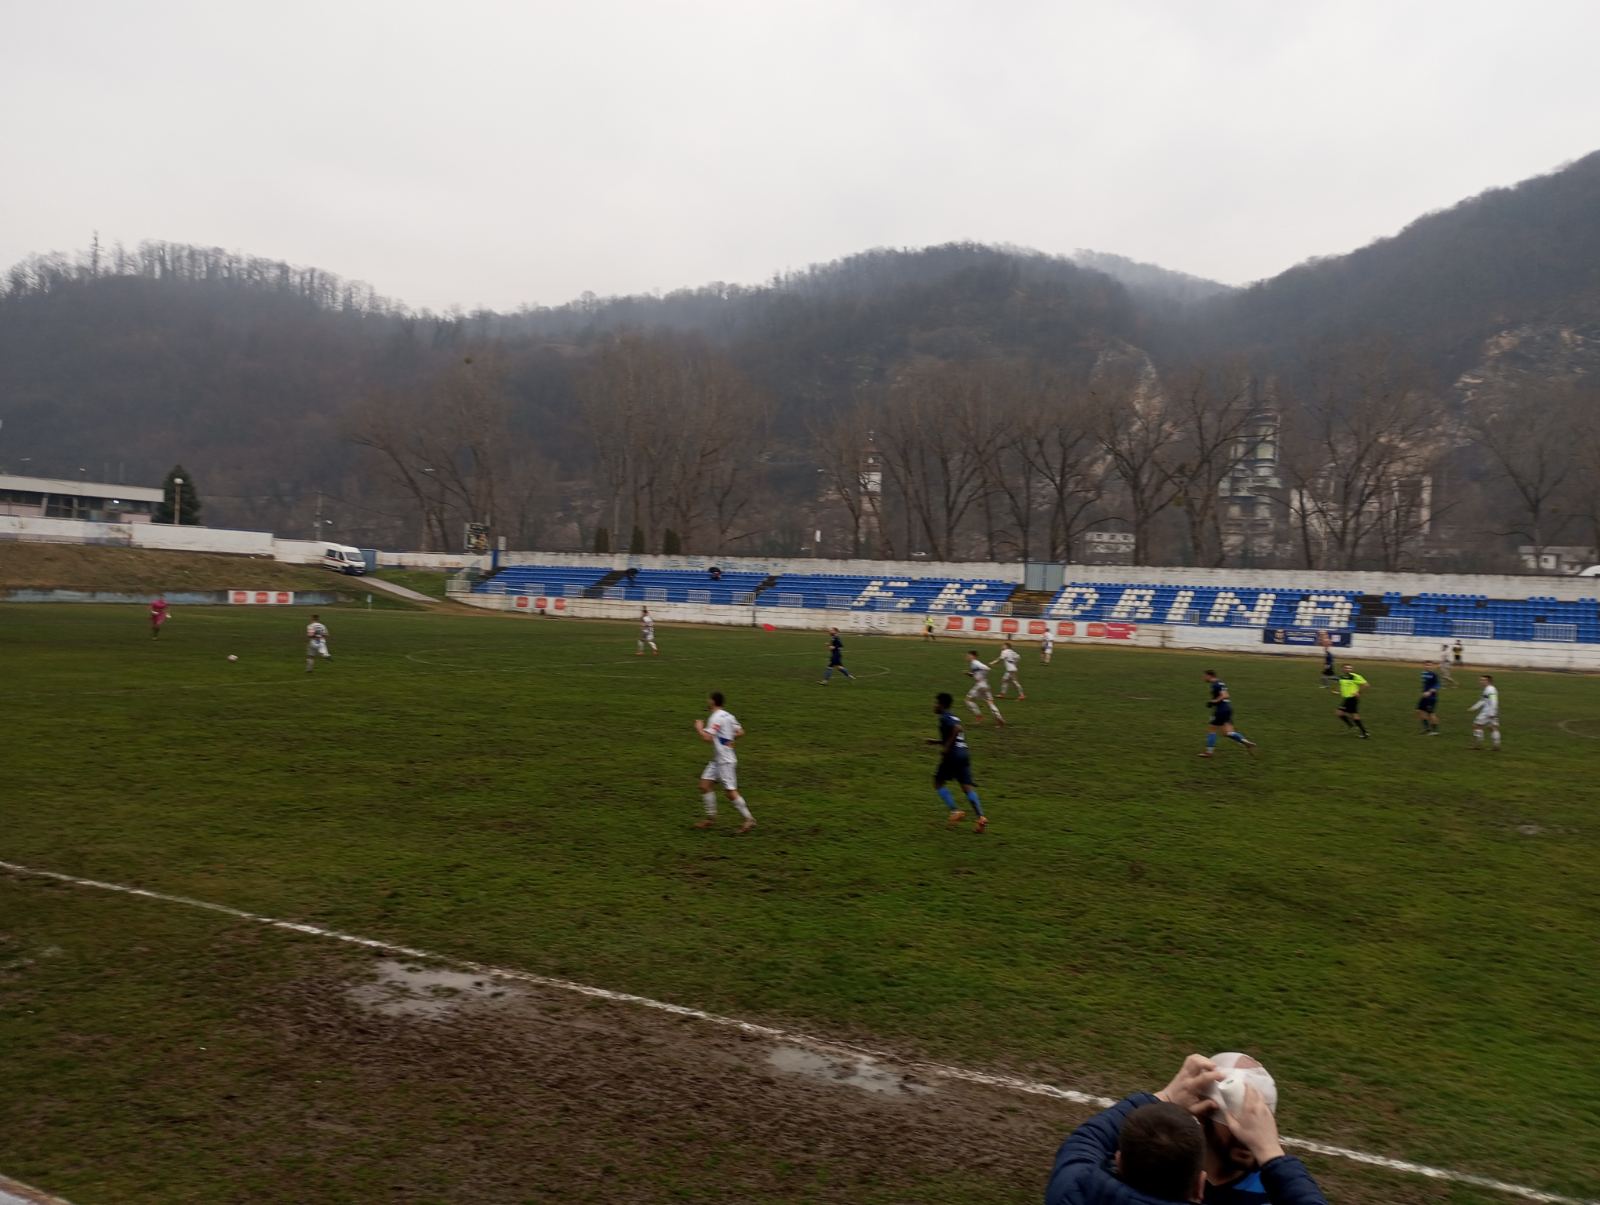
(744,810)
(972,798)
(710,800)
(1236,736)
(846,672)
(949,799)
(1211,740)
(827,673)
(1494,737)
(1345,719)
(1362,727)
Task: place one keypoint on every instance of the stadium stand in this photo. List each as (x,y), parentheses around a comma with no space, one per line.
(547,580)
(940,595)
(644,587)
(1445,616)
(1448,616)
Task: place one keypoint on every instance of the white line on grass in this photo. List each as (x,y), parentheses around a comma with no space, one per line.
(14,1192)
(819,1045)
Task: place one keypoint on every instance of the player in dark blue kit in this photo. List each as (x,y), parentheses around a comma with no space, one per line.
(1221,716)
(835,657)
(954,763)
(1427,705)
(1328,675)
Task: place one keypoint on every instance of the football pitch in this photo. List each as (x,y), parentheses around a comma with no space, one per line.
(1406,931)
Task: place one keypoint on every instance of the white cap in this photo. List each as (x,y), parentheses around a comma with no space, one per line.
(1240,1070)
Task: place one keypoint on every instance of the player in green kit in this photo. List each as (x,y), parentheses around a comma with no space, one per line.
(1350,687)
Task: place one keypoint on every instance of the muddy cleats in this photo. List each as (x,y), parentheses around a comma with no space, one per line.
(706,823)
(745,827)
(956,818)
(983,823)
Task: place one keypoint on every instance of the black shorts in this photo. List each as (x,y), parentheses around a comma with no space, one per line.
(1351,706)
(958,769)
(1427,703)
(1222,713)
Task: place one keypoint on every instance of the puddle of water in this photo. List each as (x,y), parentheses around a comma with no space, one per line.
(404,989)
(865,1074)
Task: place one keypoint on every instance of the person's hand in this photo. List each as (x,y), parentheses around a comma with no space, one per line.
(1255,1126)
(700,726)
(1189,1089)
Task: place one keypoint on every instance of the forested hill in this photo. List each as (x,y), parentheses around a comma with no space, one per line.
(271,383)
(127,362)
(1509,257)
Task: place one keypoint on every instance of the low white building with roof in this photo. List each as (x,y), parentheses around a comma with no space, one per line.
(58,498)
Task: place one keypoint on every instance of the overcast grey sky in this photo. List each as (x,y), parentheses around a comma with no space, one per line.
(495,153)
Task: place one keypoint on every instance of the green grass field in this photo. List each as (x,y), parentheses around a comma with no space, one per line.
(1403,929)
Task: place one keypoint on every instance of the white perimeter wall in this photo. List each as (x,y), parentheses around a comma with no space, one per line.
(958,628)
(139,535)
(1494,586)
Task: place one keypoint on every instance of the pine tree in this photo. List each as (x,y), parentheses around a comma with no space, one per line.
(188,499)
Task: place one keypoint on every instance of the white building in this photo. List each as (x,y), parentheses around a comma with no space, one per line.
(1557,558)
(97,501)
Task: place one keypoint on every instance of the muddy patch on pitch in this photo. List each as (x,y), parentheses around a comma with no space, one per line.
(850,1071)
(407,989)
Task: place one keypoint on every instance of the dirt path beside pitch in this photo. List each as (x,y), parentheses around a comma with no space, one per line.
(552,1097)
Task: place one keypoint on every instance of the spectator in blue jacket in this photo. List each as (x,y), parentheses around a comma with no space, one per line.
(1092,1168)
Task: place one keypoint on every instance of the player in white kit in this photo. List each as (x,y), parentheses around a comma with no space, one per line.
(647,633)
(721,729)
(980,692)
(316,642)
(1010,658)
(1486,714)
(1047,646)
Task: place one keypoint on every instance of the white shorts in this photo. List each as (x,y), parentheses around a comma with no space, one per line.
(1487,719)
(317,648)
(981,692)
(725,772)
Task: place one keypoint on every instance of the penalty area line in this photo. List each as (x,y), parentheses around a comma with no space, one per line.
(772,1033)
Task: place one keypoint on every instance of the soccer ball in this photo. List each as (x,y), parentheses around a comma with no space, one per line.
(233,657)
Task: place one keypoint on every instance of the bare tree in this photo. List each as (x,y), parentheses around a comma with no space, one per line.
(1136,432)
(1208,407)
(677,433)
(1062,446)
(1533,444)
(842,442)
(448,445)
(935,430)
(1359,452)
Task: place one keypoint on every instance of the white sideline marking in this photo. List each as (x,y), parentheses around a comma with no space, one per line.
(820,1045)
(15,1192)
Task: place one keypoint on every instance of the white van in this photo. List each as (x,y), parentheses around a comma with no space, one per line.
(342,558)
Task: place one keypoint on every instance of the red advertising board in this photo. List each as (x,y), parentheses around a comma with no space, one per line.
(1038,627)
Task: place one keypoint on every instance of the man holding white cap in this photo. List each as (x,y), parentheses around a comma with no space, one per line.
(1237,1144)
(1092,1168)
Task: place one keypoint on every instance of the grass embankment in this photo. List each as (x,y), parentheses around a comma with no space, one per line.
(423,581)
(1402,928)
(151,570)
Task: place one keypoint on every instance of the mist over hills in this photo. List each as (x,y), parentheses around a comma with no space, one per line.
(272,383)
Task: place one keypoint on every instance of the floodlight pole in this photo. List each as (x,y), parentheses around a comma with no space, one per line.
(177,500)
